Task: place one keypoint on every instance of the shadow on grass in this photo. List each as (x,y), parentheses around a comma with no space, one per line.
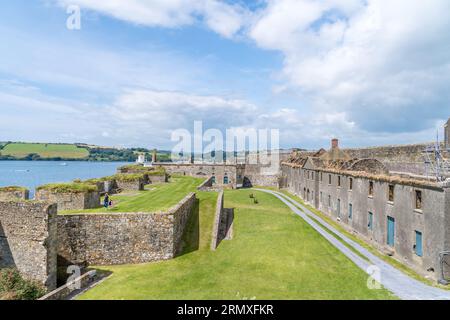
(191,236)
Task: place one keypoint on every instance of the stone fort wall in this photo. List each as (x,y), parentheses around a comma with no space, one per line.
(219,171)
(70,201)
(157,178)
(14,195)
(259,175)
(37,241)
(402,158)
(136,185)
(237,174)
(28,240)
(122,238)
(402,153)
(206,185)
(223,223)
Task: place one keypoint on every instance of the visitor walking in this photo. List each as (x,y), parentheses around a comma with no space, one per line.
(106,201)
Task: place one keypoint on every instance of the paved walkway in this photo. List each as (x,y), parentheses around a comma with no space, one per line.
(397,282)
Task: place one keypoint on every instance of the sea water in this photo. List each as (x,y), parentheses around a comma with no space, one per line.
(31,174)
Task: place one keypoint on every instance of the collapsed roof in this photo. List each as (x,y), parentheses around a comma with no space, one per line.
(336,159)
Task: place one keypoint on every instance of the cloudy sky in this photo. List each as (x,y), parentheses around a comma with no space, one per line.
(370,72)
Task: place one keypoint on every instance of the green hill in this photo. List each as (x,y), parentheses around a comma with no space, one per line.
(44,150)
(77,151)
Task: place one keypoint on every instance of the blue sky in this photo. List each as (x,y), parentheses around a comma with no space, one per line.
(365,71)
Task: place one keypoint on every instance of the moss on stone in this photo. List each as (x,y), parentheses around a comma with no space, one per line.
(68,187)
(127,177)
(134,167)
(12,189)
(160,171)
(97,180)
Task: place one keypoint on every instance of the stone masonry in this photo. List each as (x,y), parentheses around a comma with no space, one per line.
(7,194)
(225,175)
(223,223)
(122,238)
(70,201)
(134,185)
(150,174)
(160,178)
(249,170)
(403,158)
(206,185)
(28,239)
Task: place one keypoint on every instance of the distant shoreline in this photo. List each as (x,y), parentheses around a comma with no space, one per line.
(25,151)
(71,160)
(64,160)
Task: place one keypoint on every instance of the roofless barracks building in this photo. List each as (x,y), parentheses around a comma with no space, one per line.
(403,215)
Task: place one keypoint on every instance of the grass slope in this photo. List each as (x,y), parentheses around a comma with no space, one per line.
(274,255)
(67,151)
(156,197)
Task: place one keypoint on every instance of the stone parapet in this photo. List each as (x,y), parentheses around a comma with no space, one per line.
(122,238)
(28,240)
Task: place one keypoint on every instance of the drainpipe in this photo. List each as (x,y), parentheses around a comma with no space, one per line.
(442,255)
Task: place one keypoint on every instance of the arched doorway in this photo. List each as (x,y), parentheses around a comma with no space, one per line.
(247,183)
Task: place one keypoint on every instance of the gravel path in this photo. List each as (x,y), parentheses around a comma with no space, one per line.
(391,278)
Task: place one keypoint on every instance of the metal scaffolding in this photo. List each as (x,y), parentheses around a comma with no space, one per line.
(436,165)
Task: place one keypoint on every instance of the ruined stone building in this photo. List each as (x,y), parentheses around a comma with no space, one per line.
(253,170)
(402,213)
(379,194)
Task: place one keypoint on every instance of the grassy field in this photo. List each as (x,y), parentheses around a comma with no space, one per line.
(66,151)
(156,197)
(400,266)
(274,255)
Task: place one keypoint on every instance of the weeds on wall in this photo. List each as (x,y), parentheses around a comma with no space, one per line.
(14,287)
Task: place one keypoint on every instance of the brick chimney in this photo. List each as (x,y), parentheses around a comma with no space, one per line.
(334,143)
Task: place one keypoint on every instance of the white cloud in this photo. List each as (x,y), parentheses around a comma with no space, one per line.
(87,66)
(302,129)
(357,58)
(219,16)
(166,13)
(344,59)
(16,95)
(165,110)
(27,114)
(225,19)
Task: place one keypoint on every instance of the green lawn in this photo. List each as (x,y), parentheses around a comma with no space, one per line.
(156,197)
(400,266)
(274,255)
(67,151)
